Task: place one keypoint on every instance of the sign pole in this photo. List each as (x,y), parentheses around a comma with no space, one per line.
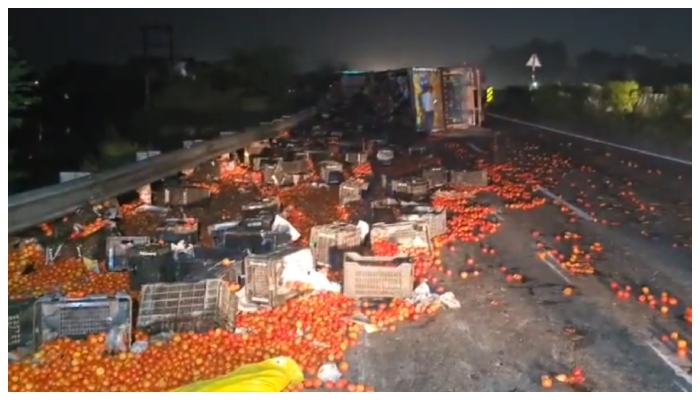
(533,62)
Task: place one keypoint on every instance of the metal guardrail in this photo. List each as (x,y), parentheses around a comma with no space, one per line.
(31,208)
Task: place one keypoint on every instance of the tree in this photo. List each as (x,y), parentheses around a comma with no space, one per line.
(623,96)
(20,89)
(680,101)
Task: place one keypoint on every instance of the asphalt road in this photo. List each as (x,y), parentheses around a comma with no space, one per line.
(507,335)
(635,212)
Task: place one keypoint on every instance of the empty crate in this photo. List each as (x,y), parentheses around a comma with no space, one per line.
(331,172)
(436,177)
(184,307)
(116,250)
(175,230)
(377,277)
(151,263)
(412,188)
(182,196)
(66,317)
(351,190)
(328,242)
(435,221)
(469,178)
(264,275)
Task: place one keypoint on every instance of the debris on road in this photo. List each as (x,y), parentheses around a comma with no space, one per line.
(304,253)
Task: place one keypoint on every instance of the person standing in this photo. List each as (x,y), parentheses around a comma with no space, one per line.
(427,101)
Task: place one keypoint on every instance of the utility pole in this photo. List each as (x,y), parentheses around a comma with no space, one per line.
(158,43)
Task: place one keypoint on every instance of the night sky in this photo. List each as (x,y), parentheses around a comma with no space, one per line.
(365,38)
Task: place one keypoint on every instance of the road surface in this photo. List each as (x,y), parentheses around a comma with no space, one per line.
(524,312)
(507,335)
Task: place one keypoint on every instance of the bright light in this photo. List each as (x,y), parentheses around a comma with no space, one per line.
(534,85)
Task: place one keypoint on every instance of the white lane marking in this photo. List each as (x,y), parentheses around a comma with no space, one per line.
(671,364)
(590,139)
(679,386)
(572,207)
(475,148)
(553,265)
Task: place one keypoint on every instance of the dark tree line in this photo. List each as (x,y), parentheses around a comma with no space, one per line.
(79,111)
(506,66)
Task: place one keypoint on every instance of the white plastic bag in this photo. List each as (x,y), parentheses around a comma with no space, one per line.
(282,225)
(329,372)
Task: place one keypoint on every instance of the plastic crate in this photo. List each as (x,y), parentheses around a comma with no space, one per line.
(385,210)
(469,178)
(181,196)
(293,167)
(412,188)
(208,171)
(385,156)
(229,272)
(317,156)
(329,241)
(259,163)
(435,221)
(351,191)
(261,222)
(417,150)
(407,235)
(355,158)
(187,307)
(276,175)
(269,205)
(151,263)
(19,323)
(377,277)
(91,246)
(116,250)
(263,275)
(76,222)
(64,317)
(176,230)
(242,242)
(436,177)
(217,232)
(331,172)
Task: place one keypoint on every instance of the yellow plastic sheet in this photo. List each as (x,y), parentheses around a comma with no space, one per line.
(272,375)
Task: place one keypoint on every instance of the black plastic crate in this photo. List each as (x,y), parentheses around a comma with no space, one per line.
(247,242)
(217,232)
(262,222)
(117,248)
(229,271)
(268,205)
(175,230)
(151,263)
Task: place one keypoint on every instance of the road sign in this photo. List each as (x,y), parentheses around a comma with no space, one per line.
(489,94)
(533,62)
